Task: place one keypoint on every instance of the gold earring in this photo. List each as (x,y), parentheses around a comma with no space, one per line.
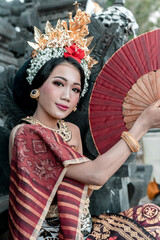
(74,109)
(35,93)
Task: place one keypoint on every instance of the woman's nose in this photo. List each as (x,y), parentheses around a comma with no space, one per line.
(66,94)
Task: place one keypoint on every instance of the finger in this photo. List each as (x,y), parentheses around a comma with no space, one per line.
(157,103)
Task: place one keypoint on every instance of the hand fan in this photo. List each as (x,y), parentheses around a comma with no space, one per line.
(127,84)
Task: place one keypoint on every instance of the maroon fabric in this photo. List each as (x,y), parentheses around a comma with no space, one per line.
(148,216)
(39,158)
(138,223)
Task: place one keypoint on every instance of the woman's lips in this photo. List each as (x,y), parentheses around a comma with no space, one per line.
(62,107)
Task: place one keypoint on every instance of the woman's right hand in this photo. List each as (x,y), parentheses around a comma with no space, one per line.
(150,117)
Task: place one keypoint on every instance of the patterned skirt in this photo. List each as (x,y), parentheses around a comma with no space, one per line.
(51,225)
(138,223)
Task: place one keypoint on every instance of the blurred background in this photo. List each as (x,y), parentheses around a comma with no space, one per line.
(146,13)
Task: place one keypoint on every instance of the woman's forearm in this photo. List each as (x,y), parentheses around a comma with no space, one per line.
(117,155)
(104,166)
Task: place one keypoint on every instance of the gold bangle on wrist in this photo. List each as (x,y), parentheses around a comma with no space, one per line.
(131,141)
(94,187)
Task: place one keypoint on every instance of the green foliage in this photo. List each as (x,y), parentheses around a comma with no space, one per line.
(109,3)
(146,13)
(143,10)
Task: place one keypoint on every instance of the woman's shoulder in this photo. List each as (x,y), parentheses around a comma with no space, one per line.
(73,127)
(15,129)
(22,129)
(76,137)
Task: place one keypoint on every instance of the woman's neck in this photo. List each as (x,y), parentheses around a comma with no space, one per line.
(47,121)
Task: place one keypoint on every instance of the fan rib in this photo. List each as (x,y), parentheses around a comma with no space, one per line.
(136,88)
(114,84)
(107,77)
(146,82)
(132,50)
(108,131)
(146,57)
(128,83)
(109,93)
(109,102)
(137,97)
(130,118)
(102,114)
(121,69)
(132,112)
(133,101)
(128,67)
(145,90)
(151,76)
(158,83)
(132,106)
(105,125)
(158,48)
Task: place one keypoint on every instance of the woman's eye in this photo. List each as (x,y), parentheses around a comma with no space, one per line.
(76,90)
(58,83)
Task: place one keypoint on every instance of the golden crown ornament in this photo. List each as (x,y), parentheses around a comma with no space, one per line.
(63,40)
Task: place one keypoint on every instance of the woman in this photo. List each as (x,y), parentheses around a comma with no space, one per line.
(50,178)
(60,83)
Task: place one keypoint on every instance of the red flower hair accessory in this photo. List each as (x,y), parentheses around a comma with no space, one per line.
(75,52)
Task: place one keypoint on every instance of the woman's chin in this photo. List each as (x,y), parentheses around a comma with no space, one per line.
(62,115)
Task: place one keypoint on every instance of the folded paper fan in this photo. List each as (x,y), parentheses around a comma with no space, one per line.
(128,83)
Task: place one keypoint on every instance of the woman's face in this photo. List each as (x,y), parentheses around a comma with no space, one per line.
(60,92)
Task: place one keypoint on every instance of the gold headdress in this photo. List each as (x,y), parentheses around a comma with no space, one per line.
(63,41)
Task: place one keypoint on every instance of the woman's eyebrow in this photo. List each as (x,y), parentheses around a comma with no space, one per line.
(61,78)
(76,83)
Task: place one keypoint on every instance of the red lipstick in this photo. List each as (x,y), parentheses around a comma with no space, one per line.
(62,107)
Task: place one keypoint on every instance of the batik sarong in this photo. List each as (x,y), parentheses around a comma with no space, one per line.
(39,161)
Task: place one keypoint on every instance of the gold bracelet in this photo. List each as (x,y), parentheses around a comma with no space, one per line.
(94,187)
(131,141)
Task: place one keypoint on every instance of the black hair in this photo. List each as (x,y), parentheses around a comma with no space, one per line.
(22,89)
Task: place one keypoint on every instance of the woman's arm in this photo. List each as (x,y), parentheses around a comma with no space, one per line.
(97,172)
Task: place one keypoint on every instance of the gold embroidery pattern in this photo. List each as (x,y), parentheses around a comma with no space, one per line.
(100,231)
(158,232)
(125,228)
(148,213)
